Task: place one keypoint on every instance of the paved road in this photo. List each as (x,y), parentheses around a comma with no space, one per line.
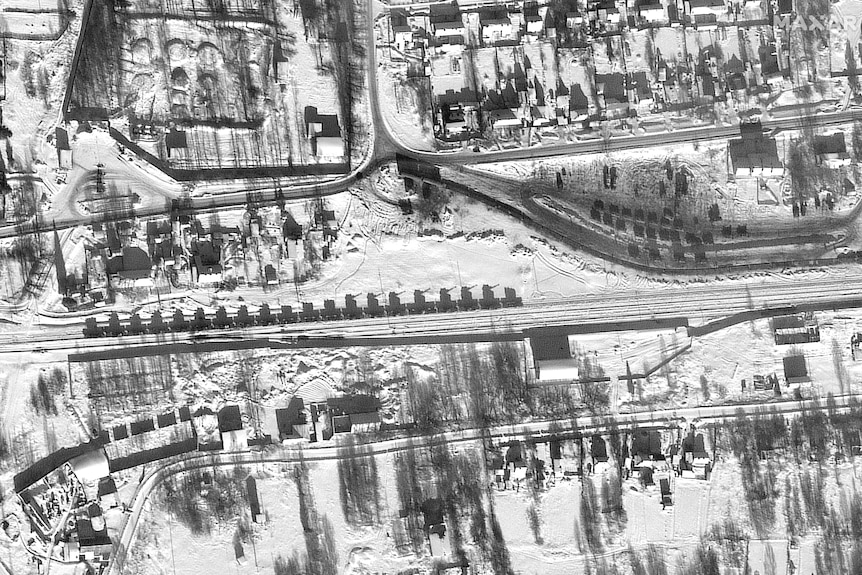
(322,451)
(617,143)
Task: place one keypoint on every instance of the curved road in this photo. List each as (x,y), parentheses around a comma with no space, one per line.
(320,452)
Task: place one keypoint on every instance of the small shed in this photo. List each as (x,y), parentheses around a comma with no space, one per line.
(64,150)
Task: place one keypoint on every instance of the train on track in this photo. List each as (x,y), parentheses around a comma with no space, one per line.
(265,315)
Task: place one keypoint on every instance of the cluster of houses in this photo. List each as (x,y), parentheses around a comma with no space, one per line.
(647,457)
(322,420)
(262,248)
(450,40)
(66,494)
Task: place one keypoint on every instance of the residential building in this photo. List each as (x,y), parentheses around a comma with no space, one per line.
(402,31)
(292,421)
(354,413)
(795,369)
(280,64)
(233,435)
(447,25)
(639,90)
(64,150)
(754,154)
(552,358)
(325,133)
(534,19)
(652,12)
(705,8)
(831,150)
(793,329)
(496,27)
(612,93)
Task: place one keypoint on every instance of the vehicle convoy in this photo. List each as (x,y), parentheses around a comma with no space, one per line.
(287,315)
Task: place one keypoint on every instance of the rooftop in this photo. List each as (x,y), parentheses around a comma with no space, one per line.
(550,347)
(229,418)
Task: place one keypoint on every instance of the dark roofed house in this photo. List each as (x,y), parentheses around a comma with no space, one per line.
(64,150)
(552,358)
(432,511)
(229,418)
(447,26)
(253,499)
(551,347)
(341,424)
(280,63)
(291,229)
(360,411)
(831,150)
(399,21)
(795,369)
(769,67)
(578,101)
(176,140)
(611,87)
(324,132)
(754,154)
(350,404)
(793,329)
(142,426)
(233,435)
(133,264)
(598,449)
(291,420)
(734,65)
(646,444)
(639,88)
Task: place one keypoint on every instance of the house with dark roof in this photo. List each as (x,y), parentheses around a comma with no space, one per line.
(324,133)
(552,358)
(292,421)
(495,25)
(754,154)
(652,11)
(534,20)
(435,527)
(446,23)
(134,264)
(794,329)
(795,369)
(207,262)
(280,63)
(64,150)
(705,8)
(356,413)
(598,450)
(233,435)
(612,93)
(579,104)
(175,140)
(769,66)
(639,90)
(646,444)
(831,150)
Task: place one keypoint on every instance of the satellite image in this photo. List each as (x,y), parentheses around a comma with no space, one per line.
(430,287)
